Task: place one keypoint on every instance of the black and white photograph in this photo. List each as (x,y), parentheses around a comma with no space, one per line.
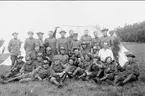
(72,48)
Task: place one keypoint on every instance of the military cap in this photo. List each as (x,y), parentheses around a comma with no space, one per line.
(104,29)
(20,57)
(76,48)
(84,43)
(38,33)
(48,48)
(39,55)
(62,48)
(14,33)
(45,62)
(30,32)
(28,58)
(62,31)
(129,54)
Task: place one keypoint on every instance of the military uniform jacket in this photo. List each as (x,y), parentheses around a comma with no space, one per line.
(107,40)
(51,42)
(131,69)
(70,40)
(26,68)
(29,45)
(14,47)
(57,68)
(111,68)
(96,41)
(62,58)
(70,68)
(62,42)
(86,39)
(39,44)
(38,63)
(75,44)
(17,66)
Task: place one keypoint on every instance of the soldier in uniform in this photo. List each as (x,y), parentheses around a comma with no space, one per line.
(75,43)
(86,38)
(39,45)
(95,50)
(110,71)
(62,42)
(106,39)
(49,54)
(70,39)
(51,41)
(25,71)
(62,56)
(15,69)
(57,72)
(29,46)
(131,72)
(14,47)
(84,48)
(39,60)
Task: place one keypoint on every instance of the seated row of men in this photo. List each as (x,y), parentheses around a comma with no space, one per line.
(58,68)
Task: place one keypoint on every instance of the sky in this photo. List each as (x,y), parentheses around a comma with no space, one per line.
(24,16)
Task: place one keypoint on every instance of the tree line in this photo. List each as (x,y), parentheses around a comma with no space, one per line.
(132,32)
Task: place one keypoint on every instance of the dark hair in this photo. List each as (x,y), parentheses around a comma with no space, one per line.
(107,58)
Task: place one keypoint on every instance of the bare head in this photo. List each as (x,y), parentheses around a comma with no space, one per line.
(86,32)
(71,32)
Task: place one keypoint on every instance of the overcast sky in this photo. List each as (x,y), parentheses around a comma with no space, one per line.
(43,16)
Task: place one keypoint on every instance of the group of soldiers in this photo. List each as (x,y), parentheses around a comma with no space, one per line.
(64,58)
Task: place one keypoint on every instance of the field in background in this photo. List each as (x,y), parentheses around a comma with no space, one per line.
(79,88)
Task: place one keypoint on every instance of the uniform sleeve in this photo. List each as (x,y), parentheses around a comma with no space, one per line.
(81,39)
(37,45)
(46,44)
(57,45)
(9,46)
(25,44)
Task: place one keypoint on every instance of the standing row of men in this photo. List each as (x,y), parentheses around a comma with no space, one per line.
(33,46)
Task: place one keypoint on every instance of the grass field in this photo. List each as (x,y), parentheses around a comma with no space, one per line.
(80,88)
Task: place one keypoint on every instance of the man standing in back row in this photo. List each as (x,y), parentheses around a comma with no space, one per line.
(106,39)
(29,46)
(14,47)
(86,38)
(62,42)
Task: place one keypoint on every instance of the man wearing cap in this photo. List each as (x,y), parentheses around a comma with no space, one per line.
(29,45)
(39,60)
(84,48)
(62,56)
(49,54)
(62,42)
(131,71)
(86,38)
(96,40)
(14,47)
(51,40)
(15,69)
(75,43)
(39,46)
(70,39)
(106,39)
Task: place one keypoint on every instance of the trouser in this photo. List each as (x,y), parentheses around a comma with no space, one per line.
(13,59)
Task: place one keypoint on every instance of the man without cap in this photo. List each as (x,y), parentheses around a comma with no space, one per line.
(75,43)
(39,60)
(51,40)
(39,45)
(86,38)
(49,55)
(62,42)
(106,39)
(70,39)
(85,48)
(14,47)
(29,46)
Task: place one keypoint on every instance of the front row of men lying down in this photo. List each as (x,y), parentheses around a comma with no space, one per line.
(90,68)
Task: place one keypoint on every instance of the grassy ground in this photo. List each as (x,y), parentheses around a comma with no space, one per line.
(79,88)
